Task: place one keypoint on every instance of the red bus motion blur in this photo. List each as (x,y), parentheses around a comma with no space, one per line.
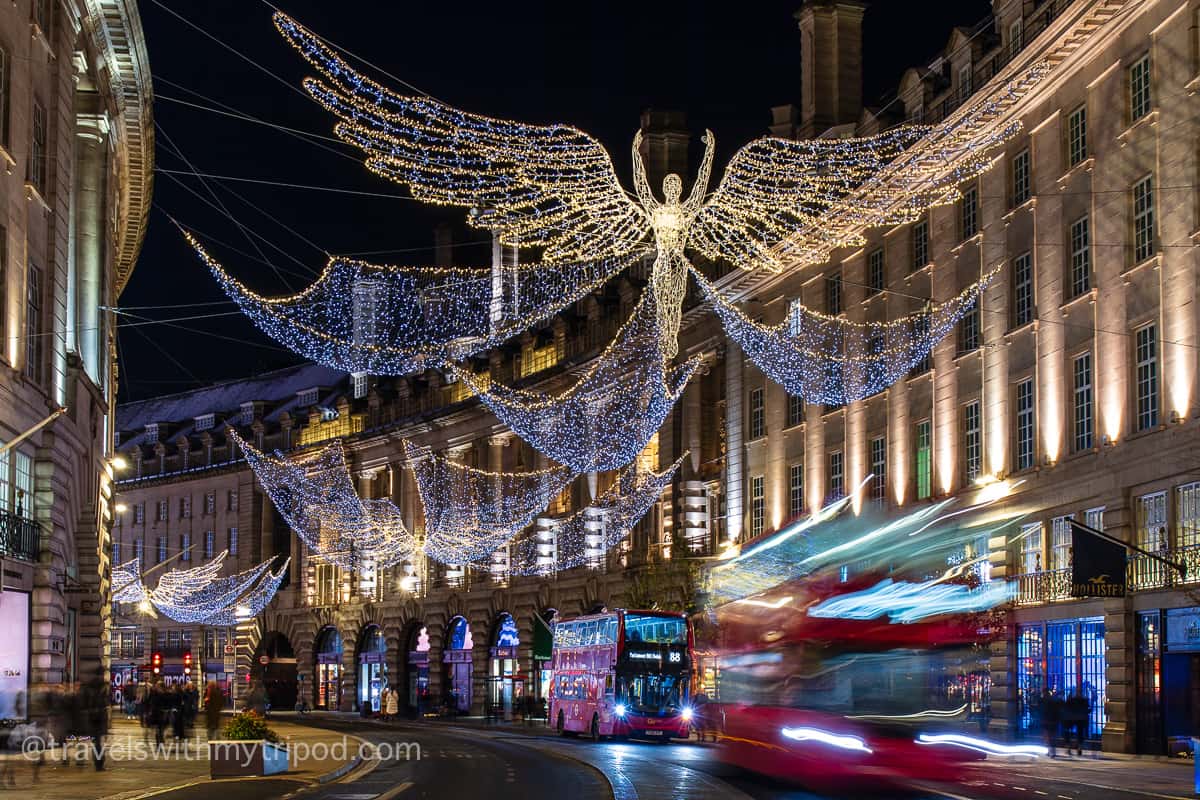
(623,674)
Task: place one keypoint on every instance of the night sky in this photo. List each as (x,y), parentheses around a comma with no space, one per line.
(594,65)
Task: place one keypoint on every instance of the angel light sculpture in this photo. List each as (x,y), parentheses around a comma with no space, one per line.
(780,205)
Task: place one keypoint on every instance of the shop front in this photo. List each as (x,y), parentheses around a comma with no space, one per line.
(372,669)
(504,676)
(458,667)
(328,670)
(1168,680)
(1062,657)
(418,672)
(14,656)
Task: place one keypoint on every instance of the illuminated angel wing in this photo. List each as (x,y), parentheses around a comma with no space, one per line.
(784,203)
(549,186)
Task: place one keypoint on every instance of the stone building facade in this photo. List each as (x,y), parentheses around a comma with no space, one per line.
(1074,379)
(76,152)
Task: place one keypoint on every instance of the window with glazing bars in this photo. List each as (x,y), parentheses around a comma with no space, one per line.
(924,459)
(1030,659)
(796,490)
(837,486)
(1077,136)
(758,418)
(1025,424)
(1146,354)
(758,505)
(1151,519)
(1060,542)
(795,410)
(1081,256)
(35,344)
(1143,219)
(1187,510)
(833,294)
(1094,518)
(162,549)
(968,329)
(875,272)
(920,245)
(1020,178)
(921,333)
(5,96)
(968,224)
(233,541)
(1082,402)
(38,158)
(210,544)
(185,547)
(139,549)
(1139,88)
(1022,276)
(878,469)
(972,441)
(1031,548)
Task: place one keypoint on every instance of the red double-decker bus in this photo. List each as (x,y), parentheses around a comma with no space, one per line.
(624,674)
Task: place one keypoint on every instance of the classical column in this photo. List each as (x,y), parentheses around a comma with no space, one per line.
(85,289)
(734,455)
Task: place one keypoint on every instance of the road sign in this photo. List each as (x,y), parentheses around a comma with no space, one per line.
(228,649)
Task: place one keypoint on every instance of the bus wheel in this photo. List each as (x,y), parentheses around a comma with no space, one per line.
(595,730)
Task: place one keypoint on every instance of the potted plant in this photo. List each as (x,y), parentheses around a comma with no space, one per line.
(246,747)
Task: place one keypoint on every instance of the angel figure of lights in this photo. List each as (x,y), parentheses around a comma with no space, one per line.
(552,189)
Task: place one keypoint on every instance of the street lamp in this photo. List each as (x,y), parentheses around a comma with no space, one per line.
(119,461)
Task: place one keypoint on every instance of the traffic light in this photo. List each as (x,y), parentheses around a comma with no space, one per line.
(187,664)
(156,663)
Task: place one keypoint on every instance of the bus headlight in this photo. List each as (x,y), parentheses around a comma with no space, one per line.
(687,714)
(620,709)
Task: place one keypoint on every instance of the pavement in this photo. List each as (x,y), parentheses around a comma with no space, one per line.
(134,768)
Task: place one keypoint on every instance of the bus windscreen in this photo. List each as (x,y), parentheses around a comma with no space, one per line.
(649,629)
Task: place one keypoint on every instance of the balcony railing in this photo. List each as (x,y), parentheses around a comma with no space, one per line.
(19,537)
(1043,587)
(1150,573)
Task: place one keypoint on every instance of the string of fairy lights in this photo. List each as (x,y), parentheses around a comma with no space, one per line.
(780,205)
(608,416)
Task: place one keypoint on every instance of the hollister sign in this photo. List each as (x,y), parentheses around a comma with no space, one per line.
(1098,564)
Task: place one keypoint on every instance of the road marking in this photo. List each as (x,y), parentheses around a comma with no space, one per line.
(395,790)
(359,796)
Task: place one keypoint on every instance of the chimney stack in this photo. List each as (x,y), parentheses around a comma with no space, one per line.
(831,54)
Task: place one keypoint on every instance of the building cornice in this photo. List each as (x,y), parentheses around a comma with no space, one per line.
(115,29)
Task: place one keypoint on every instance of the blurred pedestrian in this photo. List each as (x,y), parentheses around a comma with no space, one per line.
(214,702)
(94,716)
(392,698)
(1076,712)
(1051,719)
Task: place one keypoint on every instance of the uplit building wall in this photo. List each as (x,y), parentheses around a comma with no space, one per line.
(76,158)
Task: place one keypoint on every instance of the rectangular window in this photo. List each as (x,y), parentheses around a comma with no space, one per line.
(1094,518)
(185,547)
(1150,516)
(116,552)
(210,503)
(232,500)
(795,410)
(139,514)
(1143,219)
(210,544)
(205,422)
(139,550)
(1187,515)
(1025,424)
(968,329)
(796,490)
(246,412)
(837,484)
(41,15)
(162,549)
(758,416)
(1146,355)
(35,344)
(1081,256)
(878,469)
(833,294)
(968,223)
(1031,548)
(875,272)
(1077,145)
(360,384)
(1020,178)
(23,496)
(1082,402)
(1139,88)
(1015,38)
(920,244)
(38,159)
(5,481)
(1060,542)
(758,505)
(1022,275)
(924,454)
(232,542)
(185,507)
(964,82)
(921,333)
(161,511)
(972,441)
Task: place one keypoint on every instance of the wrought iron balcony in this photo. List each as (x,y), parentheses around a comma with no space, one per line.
(19,536)
(1150,573)
(1043,587)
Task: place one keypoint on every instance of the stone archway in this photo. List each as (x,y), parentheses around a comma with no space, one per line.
(414,690)
(504,678)
(275,668)
(458,667)
(327,669)
(370,660)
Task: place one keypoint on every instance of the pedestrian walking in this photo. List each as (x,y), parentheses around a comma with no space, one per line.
(1051,719)
(214,702)
(392,706)
(1076,712)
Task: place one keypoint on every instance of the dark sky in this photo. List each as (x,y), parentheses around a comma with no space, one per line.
(594,65)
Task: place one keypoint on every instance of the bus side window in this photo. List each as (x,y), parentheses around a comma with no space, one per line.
(608,684)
